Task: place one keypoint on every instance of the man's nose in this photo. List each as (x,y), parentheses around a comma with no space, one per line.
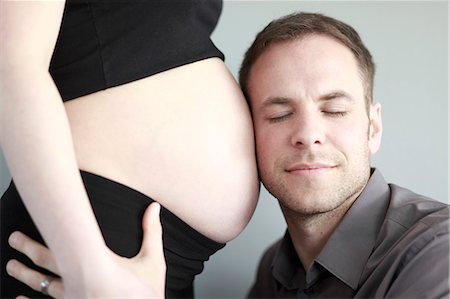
(308,130)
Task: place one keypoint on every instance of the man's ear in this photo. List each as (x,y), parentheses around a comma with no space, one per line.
(375,127)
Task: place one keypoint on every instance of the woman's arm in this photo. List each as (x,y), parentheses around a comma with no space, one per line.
(36,140)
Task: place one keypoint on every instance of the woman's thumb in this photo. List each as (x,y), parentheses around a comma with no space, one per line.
(152,243)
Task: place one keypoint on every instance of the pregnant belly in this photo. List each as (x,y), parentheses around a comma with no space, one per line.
(183,137)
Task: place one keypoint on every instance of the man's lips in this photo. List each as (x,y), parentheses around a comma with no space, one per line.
(309,167)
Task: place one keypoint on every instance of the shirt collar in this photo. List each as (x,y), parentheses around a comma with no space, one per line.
(349,247)
(286,263)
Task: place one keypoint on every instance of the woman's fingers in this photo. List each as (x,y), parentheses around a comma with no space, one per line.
(34,278)
(39,254)
(42,257)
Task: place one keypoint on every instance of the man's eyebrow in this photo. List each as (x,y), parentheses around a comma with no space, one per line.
(338,94)
(275,101)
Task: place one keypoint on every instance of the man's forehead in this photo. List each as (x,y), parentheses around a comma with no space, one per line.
(315,62)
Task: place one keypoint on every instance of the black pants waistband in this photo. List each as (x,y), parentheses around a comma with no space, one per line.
(119,210)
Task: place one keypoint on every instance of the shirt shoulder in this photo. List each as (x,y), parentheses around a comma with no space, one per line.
(402,268)
(412,220)
(414,236)
(408,209)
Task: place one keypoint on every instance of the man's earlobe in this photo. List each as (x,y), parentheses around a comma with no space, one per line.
(375,127)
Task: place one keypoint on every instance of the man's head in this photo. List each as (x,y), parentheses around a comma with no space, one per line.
(314,129)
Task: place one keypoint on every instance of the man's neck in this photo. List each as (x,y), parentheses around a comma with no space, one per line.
(309,234)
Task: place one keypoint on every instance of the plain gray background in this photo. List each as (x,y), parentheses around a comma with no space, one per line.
(409,43)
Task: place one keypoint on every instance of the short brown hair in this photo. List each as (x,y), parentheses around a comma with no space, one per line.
(298,25)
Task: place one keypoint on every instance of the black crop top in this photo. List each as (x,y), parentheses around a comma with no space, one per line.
(105,43)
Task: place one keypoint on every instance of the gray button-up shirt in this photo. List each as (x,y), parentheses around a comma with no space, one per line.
(392,243)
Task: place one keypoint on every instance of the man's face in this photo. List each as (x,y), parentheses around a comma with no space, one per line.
(313,135)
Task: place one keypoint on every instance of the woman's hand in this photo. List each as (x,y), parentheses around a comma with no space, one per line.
(141,276)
